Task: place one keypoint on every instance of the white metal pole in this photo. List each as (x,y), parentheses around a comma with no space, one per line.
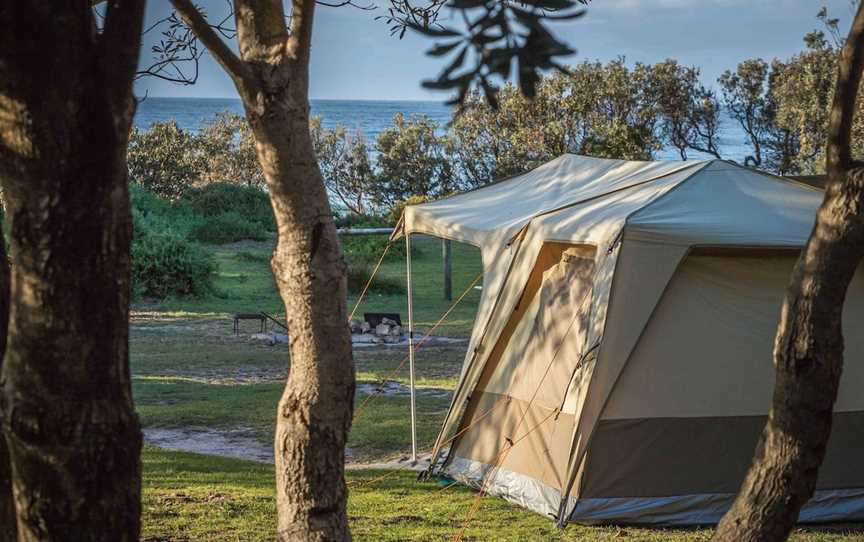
(411,350)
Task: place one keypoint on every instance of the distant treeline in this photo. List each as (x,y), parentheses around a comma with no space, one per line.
(600,109)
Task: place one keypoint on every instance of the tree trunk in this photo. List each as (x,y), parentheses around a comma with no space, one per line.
(315,410)
(316,407)
(8,531)
(65,112)
(314,413)
(808,350)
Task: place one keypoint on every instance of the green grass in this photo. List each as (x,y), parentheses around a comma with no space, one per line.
(197,497)
(245,283)
(381,431)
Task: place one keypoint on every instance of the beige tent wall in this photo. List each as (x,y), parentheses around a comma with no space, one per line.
(687,410)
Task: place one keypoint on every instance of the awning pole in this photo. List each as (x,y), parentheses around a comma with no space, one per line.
(411,349)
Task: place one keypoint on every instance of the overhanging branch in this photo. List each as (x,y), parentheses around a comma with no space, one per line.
(217,47)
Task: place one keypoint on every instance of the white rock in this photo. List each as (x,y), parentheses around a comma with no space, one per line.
(382,330)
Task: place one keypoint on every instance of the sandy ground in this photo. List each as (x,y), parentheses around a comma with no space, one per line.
(241,443)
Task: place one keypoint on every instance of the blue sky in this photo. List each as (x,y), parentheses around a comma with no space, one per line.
(354,57)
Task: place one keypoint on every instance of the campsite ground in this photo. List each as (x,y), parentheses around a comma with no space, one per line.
(199,387)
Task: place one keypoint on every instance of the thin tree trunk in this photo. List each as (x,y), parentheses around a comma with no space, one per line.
(65,112)
(315,409)
(808,350)
(314,413)
(8,530)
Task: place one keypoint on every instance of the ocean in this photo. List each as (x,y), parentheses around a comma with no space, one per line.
(369,116)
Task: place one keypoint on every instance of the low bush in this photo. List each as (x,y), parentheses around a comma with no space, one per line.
(164,264)
(227,228)
(154,213)
(220,198)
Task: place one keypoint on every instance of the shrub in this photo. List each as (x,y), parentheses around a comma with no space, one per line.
(218,198)
(164,158)
(157,214)
(227,228)
(164,264)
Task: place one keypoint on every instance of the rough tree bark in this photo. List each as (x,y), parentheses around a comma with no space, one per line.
(808,349)
(8,531)
(314,414)
(66,108)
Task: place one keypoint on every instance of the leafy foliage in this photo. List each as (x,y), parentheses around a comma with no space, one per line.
(345,165)
(227,227)
(784,108)
(164,264)
(227,143)
(493,37)
(218,198)
(413,159)
(163,159)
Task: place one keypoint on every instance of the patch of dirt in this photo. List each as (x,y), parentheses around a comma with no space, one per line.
(391,388)
(400,463)
(237,443)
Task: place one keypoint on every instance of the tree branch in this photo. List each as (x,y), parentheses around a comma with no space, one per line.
(839,153)
(230,62)
(300,42)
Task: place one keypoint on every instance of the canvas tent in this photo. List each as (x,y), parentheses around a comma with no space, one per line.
(620,366)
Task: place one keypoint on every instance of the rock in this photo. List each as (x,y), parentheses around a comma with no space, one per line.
(364,338)
(280,338)
(389,322)
(365,327)
(396,331)
(356,326)
(382,330)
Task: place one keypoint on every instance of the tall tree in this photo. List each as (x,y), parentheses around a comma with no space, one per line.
(66,108)
(808,349)
(271,75)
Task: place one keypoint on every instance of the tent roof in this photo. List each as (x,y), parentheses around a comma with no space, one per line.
(717,202)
